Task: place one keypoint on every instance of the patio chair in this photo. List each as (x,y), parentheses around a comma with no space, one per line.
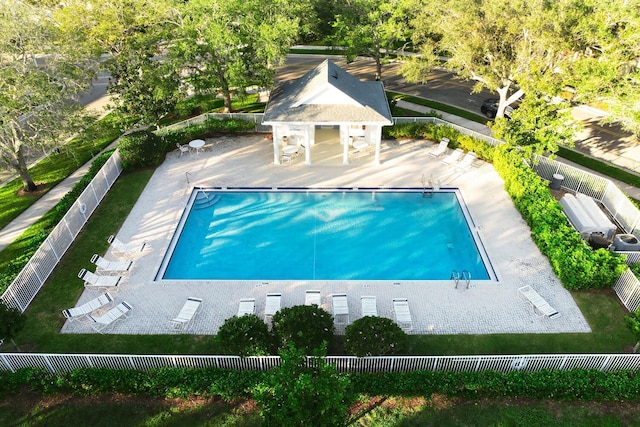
(340,309)
(453,157)
(125,248)
(94,281)
(540,306)
(441,149)
(403,313)
(312,297)
(466,162)
(107,266)
(246,306)
(100,323)
(88,307)
(272,305)
(369,307)
(182,148)
(187,314)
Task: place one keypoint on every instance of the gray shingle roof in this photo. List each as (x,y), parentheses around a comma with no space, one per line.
(328,94)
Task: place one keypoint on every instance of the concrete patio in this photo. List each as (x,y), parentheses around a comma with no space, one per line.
(487,307)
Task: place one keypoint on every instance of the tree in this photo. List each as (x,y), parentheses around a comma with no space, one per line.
(134,35)
(11,322)
(230,45)
(299,393)
(41,76)
(537,125)
(372,28)
(506,47)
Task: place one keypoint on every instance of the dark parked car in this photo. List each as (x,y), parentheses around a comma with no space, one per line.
(490,108)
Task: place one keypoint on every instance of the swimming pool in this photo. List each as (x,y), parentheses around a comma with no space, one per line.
(338,234)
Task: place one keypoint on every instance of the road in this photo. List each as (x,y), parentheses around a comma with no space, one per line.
(606,142)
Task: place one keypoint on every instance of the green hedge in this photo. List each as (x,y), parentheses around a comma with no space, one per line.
(577,384)
(575,263)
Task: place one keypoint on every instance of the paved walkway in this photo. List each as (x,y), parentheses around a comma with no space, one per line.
(437,307)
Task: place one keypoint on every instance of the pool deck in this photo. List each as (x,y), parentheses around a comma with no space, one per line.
(486,307)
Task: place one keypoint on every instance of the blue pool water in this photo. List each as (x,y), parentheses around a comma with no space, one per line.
(323,235)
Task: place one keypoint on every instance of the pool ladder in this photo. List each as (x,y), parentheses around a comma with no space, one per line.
(432,187)
(464,275)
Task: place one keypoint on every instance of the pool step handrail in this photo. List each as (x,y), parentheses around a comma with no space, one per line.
(466,276)
(455,276)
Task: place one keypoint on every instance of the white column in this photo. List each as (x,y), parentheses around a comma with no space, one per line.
(376,133)
(344,140)
(308,142)
(276,145)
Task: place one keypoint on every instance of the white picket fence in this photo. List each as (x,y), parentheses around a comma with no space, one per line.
(28,282)
(61,363)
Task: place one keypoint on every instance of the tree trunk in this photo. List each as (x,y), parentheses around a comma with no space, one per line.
(378,69)
(636,347)
(20,166)
(226,93)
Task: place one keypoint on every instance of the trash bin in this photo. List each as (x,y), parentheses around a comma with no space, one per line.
(556,181)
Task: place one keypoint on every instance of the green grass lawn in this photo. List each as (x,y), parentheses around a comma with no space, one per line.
(381,411)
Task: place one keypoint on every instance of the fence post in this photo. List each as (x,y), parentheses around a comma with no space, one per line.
(49,365)
(7,364)
(605,363)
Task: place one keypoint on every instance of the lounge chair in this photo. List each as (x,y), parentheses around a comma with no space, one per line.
(187,313)
(123,248)
(100,323)
(246,306)
(403,313)
(88,307)
(107,266)
(465,163)
(369,307)
(540,306)
(340,309)
(441,149)
(453,157)
(94,281)
(312,297)
(272,305)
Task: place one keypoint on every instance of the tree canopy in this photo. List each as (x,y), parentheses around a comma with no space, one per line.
(42,72)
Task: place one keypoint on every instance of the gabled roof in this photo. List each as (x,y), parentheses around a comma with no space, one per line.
(328,94)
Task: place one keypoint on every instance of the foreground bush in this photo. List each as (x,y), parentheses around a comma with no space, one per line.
(576,384)
(244,336)
(305,326)
(375,336)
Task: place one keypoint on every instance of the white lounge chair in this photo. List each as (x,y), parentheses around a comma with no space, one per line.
(441,149)
(88,307)
(369,306)
(453,157)
(107,266)
(340,309)
(312,297)
(540,306)
(187,314)
(94,281)
(246,306)
(465,163)
(124,248)
(272,305)
(403,313)
(100,323)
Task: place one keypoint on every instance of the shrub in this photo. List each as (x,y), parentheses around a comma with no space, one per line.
(298,393)
(141,149)
(305,326)
(375,336)
(244,336)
